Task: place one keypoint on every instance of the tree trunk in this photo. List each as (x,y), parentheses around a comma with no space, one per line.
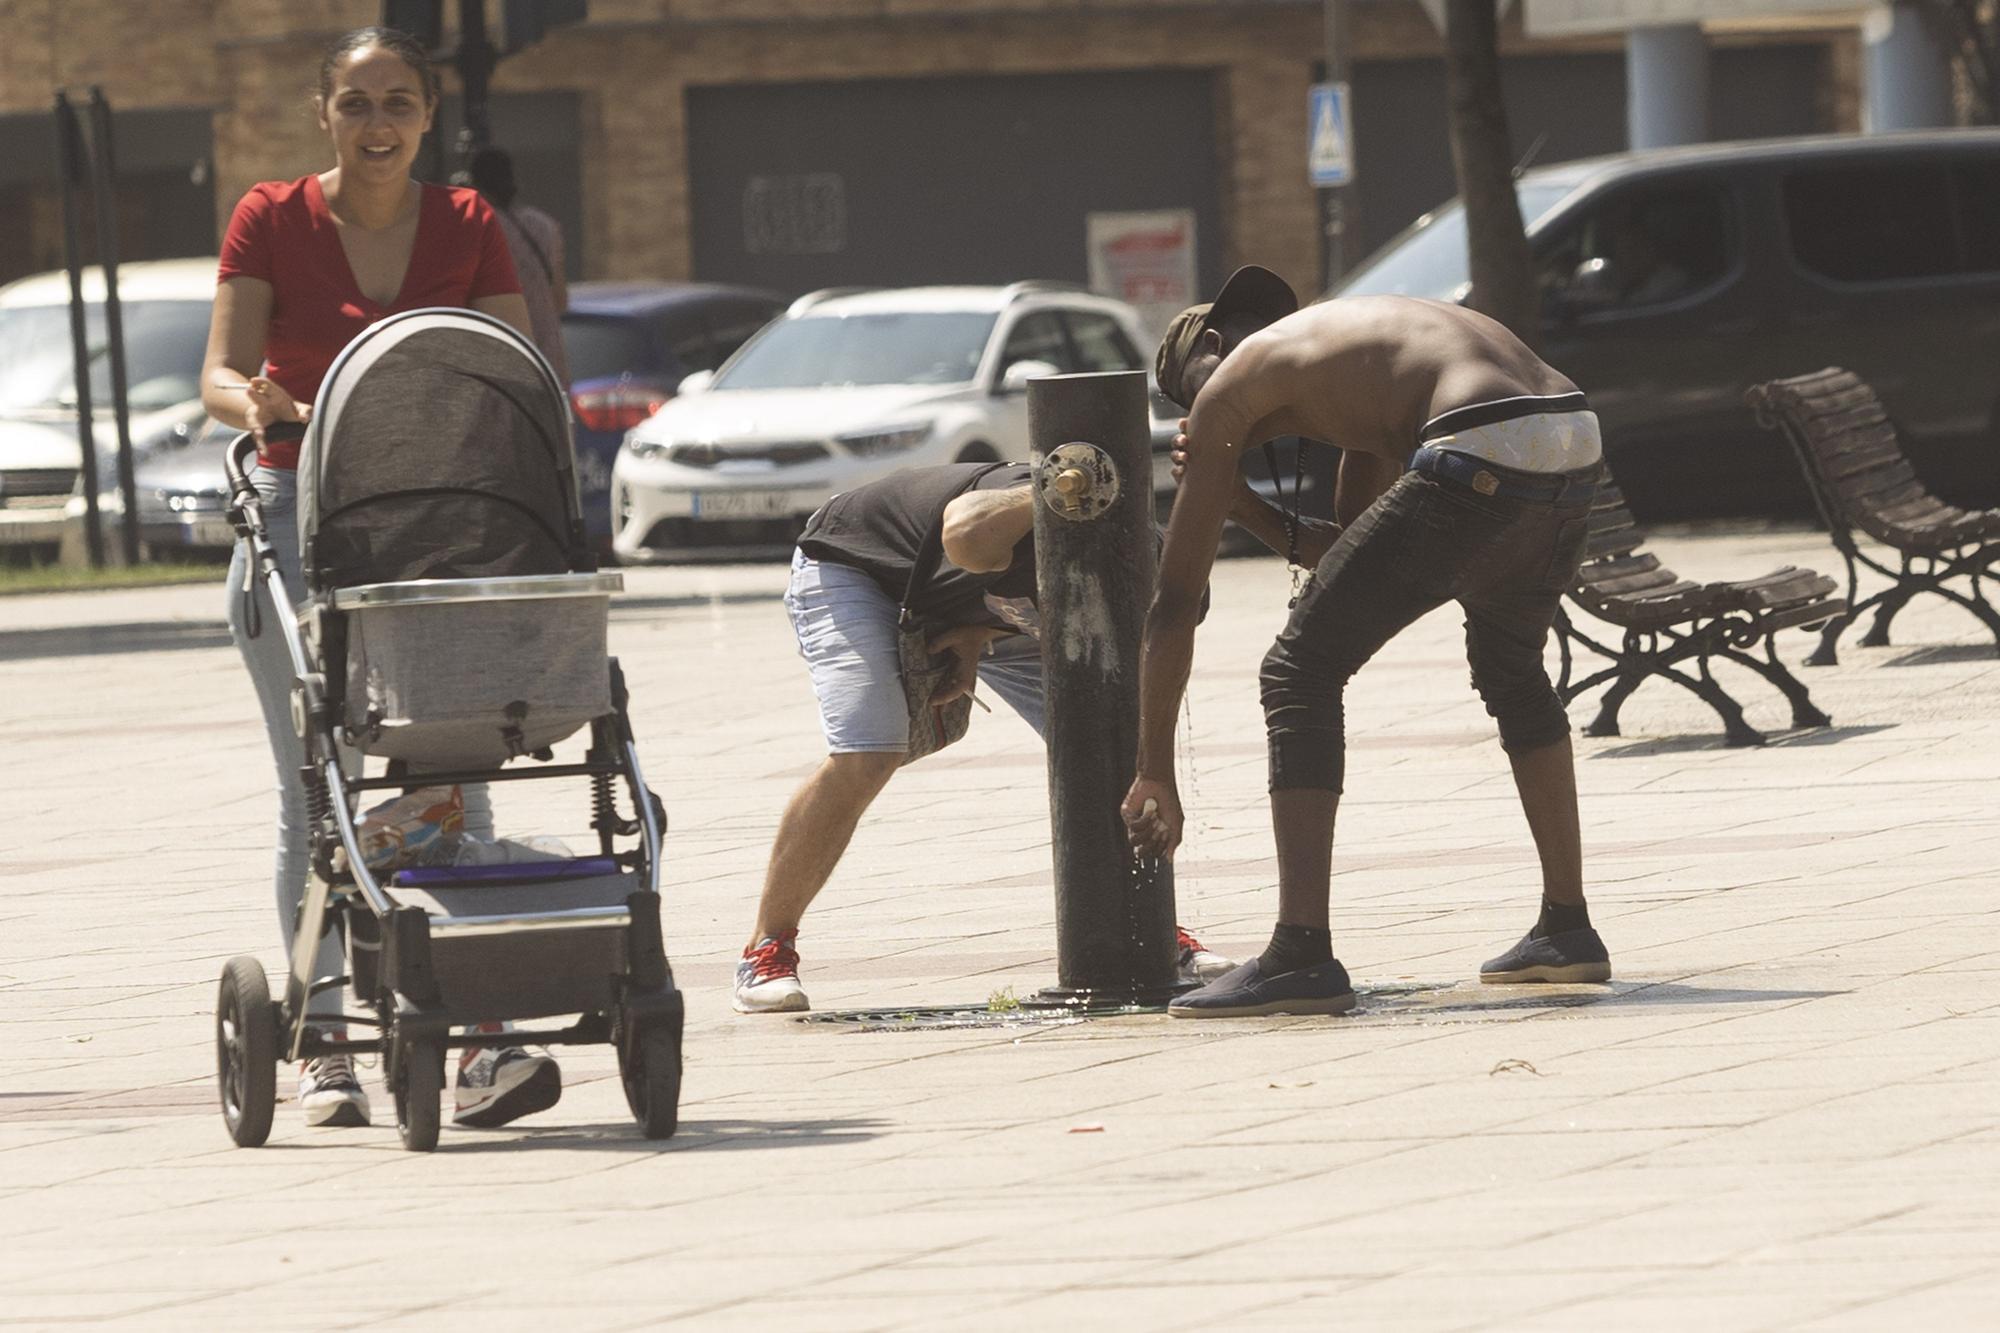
(1973,28)
(1482,155)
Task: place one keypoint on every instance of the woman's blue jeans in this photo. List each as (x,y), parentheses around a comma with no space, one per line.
(254,627)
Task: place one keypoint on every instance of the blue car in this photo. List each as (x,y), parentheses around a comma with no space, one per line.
(629,346)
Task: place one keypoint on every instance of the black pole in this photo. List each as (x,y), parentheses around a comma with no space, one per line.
(104,172)
(1091,443)
(475,59)
(69,165)
(1337,201)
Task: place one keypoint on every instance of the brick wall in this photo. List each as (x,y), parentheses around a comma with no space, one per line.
(165,58)
(254,62)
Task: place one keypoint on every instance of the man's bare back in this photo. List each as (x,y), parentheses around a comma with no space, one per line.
(1365,374)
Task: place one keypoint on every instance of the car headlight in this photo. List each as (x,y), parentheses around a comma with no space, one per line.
(640,447)
(890,440)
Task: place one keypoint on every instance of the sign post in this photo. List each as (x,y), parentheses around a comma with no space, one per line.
(1330,147)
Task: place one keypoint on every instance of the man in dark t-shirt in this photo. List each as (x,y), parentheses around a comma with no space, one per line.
(850,575)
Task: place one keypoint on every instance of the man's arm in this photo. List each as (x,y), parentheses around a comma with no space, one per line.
(1362,480)
(982,528)
(1221,418)
(1263,520)
(1266,522)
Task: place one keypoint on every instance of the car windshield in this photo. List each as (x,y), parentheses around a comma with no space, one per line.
(164,344)
(821,351)
(1428,258)
(601,348)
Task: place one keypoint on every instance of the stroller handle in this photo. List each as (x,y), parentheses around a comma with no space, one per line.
(235,457)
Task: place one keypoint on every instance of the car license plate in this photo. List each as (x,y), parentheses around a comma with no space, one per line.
(209,532)
(740,504)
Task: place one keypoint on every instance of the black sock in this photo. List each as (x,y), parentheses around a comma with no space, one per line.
(1294,947)
(1556,918)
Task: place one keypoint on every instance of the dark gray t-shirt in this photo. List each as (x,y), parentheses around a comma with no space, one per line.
(878,529)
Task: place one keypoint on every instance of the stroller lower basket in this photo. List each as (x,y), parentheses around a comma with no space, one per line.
(468,673)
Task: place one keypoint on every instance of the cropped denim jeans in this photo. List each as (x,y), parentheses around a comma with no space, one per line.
(1427,541)
(257,636)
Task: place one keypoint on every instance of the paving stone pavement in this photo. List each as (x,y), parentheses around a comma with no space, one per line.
(1784,1113)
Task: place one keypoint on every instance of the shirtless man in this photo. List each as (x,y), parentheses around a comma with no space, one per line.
(1485,461)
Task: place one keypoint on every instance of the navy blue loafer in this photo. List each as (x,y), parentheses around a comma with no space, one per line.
(1245,992)
(1572,956)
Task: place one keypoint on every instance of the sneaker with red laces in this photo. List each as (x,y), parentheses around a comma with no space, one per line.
(499,1085)
(767,978)
(1199,964)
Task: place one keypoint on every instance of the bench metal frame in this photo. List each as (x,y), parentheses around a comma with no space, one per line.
(1917,569)
(1671,624)
(1663,652)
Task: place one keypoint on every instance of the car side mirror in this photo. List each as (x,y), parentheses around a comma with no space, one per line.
(1594,286)
(1016,378)
(696,382)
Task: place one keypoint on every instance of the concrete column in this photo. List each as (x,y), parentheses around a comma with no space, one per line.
(1666,86)
(1906,69)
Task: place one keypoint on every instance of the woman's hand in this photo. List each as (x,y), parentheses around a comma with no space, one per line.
(270,403)
(1153,818)
(966,644)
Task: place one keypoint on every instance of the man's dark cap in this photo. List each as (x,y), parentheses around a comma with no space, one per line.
(1251,290)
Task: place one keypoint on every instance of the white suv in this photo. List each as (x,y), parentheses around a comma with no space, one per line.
(851,385)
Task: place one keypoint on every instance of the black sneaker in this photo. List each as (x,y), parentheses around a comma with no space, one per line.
(1245,992)
(1571,956)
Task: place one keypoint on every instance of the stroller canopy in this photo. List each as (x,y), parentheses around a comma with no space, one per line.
(439,449)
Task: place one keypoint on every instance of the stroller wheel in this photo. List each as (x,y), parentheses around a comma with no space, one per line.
(649,1064)
(246,1051)
(418,1084)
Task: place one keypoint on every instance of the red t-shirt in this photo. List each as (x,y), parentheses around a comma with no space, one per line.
(283,234)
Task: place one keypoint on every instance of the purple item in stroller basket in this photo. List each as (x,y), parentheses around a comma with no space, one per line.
(519,872)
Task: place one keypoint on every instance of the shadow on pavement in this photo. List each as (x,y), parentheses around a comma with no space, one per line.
(692,1136)
(139,636)
(1944,652)
(1773,739)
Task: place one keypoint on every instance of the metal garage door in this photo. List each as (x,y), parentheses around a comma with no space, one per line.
(981,179)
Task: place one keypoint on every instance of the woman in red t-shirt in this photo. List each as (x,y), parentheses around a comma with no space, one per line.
(306,265)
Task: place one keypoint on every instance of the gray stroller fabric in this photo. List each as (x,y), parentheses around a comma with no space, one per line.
(440,455)
(442,451)
(473,684)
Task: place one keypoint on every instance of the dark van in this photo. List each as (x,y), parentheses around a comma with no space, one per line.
(1675,279)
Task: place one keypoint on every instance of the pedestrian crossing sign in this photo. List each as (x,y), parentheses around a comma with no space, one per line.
(1330,154)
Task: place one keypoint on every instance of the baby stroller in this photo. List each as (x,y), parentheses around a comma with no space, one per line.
(454,621)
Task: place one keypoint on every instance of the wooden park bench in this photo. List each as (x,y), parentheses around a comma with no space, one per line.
(1670,623)
(1860,478)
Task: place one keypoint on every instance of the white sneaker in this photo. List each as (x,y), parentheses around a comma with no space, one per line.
(1198,964)
(330,1095)
(767,978)
(497,1085)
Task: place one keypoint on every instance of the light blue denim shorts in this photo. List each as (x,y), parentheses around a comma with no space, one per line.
(846,628)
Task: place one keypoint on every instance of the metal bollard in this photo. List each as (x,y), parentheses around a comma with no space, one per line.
(1095,564)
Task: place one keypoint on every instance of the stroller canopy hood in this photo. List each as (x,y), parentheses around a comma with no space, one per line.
(439,448)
